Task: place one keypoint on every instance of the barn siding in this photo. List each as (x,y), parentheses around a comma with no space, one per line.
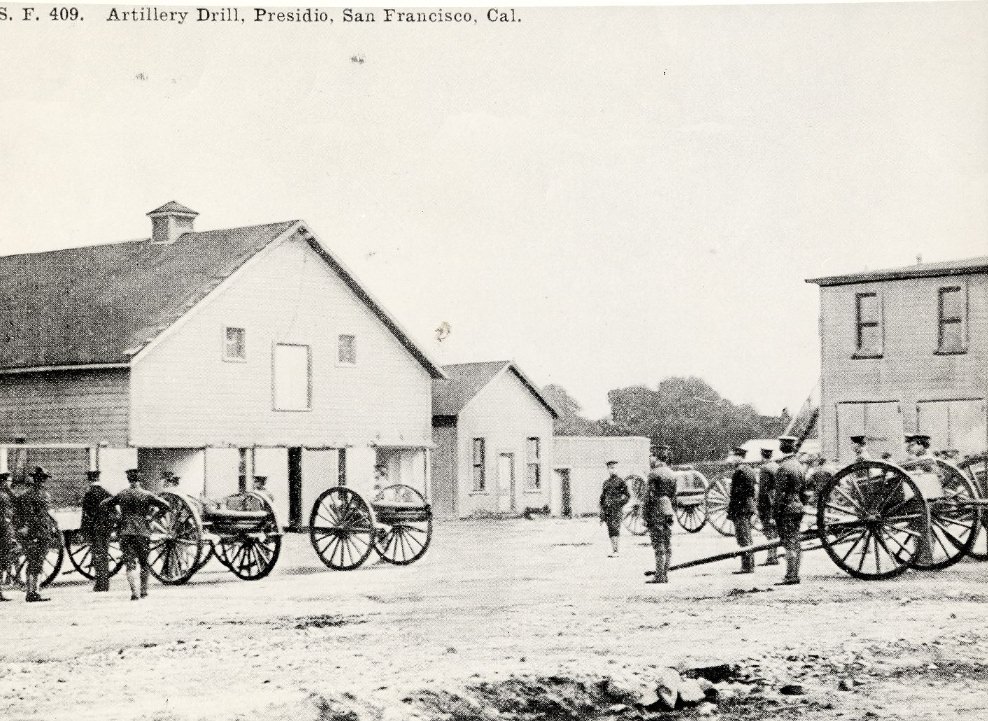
(909,371)
(65,407)
(184,394)
(505,413)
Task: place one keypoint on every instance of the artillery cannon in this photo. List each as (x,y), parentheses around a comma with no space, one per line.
(344,528)
(877,520)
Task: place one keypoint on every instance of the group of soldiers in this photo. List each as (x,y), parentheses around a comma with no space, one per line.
(26,524)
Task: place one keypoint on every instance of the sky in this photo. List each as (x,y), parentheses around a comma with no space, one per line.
(608,196)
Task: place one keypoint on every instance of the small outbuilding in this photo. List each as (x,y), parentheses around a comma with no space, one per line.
(492,430)
(579,468)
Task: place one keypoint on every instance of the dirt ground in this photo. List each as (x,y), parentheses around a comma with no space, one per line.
(519,619)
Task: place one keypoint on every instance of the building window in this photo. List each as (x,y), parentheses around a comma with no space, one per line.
(868,313)
(479,482)
(533,467)
(234,344)
(951,318)
(292,377)
(346,350)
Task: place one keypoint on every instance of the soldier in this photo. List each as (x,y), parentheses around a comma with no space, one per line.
(136,507)
(741,506)
(613,496)
(380,481)
(261,489)
(96,527)
(766,493)
(169,481)
(918,445)
(660,493)
(859,444)
(7,542)
(790,490)
(32,524)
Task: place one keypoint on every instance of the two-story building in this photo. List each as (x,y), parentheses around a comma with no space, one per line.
(215,355)
(492,430)
(905,350)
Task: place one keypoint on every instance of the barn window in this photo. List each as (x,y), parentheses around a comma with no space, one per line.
(234,344)
(479,482)
(868,312)
(533,465)
(346,351)
(951,318)
(292,377)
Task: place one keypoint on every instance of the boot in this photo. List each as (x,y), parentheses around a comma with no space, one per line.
(133,583)
(33,596)
(144,582)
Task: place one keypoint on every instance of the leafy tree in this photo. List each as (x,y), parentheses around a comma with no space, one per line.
(570,421)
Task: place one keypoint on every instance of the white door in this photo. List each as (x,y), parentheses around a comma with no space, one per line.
(506,482)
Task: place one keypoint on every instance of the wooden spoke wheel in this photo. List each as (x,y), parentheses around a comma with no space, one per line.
(955,522)
(251,554)
(80,554)
(634,520)
(976,468)
(870,517)
(341,528)
(176,546)
(16,572)
(693,517)
(403,524)
(715,500)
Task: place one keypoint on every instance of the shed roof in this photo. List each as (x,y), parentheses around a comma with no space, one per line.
(963,266)
(100,305)
(465,380)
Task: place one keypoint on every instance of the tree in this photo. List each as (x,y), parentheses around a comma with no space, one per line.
(570,422)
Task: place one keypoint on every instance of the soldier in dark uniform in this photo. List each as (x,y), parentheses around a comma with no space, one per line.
(660,493)
(741,506)
(32,525)
(613,496)
(790,492)
(136,507)
(261,489)
(96,527)
(766,493)
(7,542)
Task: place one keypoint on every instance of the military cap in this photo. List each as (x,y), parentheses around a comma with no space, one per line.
(133,473)
(92,475)
(767,452)
(260,479)
(4,476)
(920,438)
(787,439)
(611,463)
(860,440)
(40,474)
(739,451)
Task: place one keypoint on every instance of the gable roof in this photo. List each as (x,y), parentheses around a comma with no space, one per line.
(964,266)
(466,380)
(100,305)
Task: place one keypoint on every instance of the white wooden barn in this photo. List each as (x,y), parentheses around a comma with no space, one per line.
(580,470)
(492,430)
(214,355)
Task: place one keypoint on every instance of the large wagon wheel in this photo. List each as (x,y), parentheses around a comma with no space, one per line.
(80,554)
(693,517)
(870,517)
(341,528)
(16,570)
(976,468)
(634,520)
(252,554)
(716,499)
(403,529)
(954,520)
(176,543)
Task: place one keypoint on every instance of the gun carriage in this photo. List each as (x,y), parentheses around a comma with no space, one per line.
(689,508)
(344,528)
(876,519)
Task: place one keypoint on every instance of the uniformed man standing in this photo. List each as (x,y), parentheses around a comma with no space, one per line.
(766,494)
(859,444)
(136,506)
(261,489)
(790,491)
(741,506)
(7,542)
(660,493)
(32,524)
(613,496)
(96,527)
(918,447)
